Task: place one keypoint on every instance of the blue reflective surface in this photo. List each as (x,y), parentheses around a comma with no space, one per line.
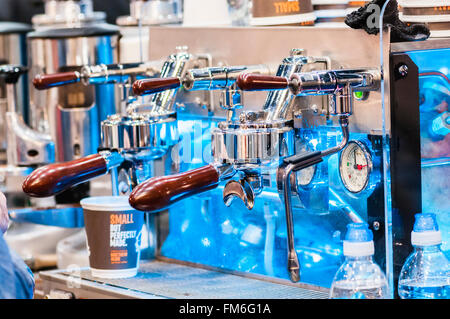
(104,93)
(434,86)
(203,230)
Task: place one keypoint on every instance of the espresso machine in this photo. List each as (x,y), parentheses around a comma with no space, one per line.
(141,132)
(144,136)
(286,161)
(257,152)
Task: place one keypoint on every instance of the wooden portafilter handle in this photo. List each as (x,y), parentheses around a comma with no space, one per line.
(260,82)
(151,86)
(159,193)
(47,81)
(52,179)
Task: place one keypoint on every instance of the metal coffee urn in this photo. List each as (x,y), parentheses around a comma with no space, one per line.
(12,51)
(71,116)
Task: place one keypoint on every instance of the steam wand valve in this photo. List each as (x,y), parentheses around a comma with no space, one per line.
(293,164)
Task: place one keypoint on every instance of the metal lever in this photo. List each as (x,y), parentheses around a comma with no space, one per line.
(294,164)
(118,73)
(258,82)
(211,78)
(95,74)
(218,78)
(47,81)
(151,86)
(315,82)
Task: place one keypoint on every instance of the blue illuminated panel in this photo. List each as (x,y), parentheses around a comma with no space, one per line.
(203,230)
(434,74)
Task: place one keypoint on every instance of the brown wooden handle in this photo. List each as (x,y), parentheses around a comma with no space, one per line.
(46,81)
(52,179)
(150,86)
(256,82)
(158,193)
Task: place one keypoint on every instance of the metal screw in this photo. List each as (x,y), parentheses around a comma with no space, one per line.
(403,70)
(376,225)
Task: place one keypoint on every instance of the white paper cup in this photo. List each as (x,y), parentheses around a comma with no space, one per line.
(113,231)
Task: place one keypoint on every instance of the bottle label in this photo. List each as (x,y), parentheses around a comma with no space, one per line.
(113,238)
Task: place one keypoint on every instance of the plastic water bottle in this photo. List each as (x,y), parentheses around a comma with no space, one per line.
(359,277)
(426,272)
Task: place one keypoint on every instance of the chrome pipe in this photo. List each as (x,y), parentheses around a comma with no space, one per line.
(296,163)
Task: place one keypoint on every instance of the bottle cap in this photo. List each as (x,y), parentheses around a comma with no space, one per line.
(426,231)
(358,240)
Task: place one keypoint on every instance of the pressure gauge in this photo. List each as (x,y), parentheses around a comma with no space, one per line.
(355,166)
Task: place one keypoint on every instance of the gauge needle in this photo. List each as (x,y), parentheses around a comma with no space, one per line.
(354,156)
(360,167)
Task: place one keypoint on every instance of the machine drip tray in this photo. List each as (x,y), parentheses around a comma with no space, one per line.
(163,279)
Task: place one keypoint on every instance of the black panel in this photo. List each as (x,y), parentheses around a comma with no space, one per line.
(375,204)
(405,155)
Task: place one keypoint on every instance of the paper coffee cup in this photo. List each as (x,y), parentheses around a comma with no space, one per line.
(282,13)
(113,231)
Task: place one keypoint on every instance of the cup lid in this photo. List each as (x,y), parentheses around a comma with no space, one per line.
(106,203)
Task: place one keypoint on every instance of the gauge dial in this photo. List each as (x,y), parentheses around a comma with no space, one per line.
(355,166)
